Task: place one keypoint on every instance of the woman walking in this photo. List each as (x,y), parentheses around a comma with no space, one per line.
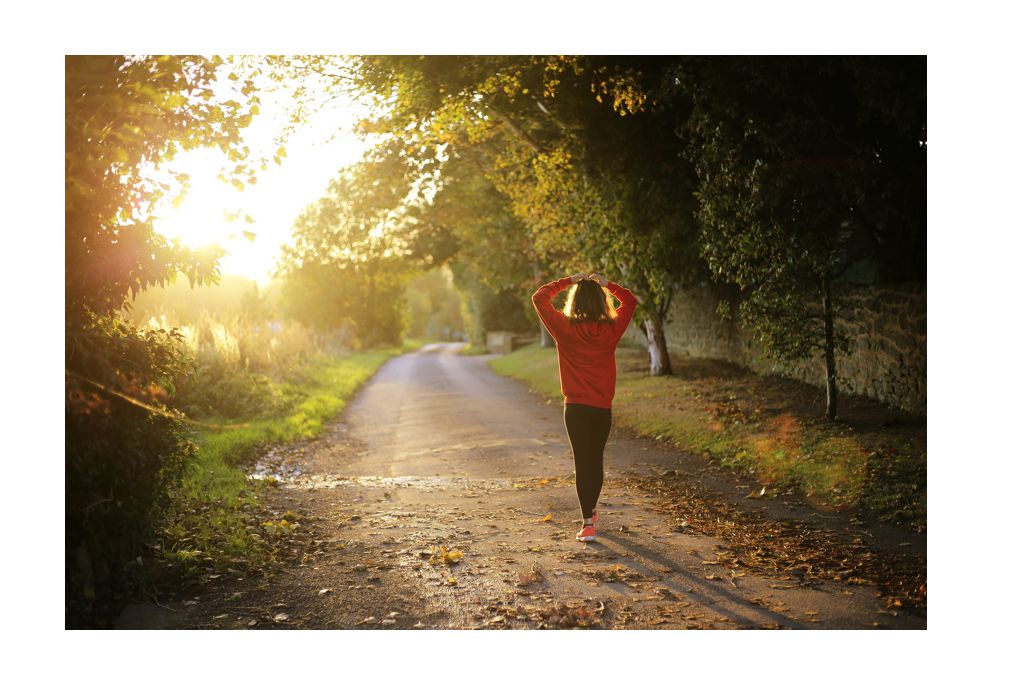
(586,332)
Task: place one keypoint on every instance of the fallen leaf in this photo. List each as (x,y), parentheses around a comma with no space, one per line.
(531,577)
(444,555)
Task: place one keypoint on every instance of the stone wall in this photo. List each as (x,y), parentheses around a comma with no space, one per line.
(886,325)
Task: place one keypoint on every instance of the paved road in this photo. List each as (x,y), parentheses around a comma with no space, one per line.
(438,450)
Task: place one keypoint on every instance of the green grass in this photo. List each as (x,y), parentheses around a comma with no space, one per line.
(216,522)
(534,365)
(474,349)
(765,429)
(322,395)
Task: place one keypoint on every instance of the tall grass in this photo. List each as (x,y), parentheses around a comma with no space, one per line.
(265,382)
(239,361)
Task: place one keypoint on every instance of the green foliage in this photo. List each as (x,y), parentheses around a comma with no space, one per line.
(803,172)
(124,117)
(587,188)
(237,359)
(351,257)
(485,235)
(490,308)
(807,166)
(217,391)
(120,457)
(432,305)
(320,394)
(492,261)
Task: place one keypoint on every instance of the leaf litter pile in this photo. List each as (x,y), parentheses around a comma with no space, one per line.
(558,615)
(274,537)
(792,550)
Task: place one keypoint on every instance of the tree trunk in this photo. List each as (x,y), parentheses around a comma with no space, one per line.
(658,354)
(828,351)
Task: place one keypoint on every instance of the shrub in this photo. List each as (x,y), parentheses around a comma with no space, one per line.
(121,457)
(237,358)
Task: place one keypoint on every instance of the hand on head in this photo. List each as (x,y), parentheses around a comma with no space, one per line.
(598,278)
(575,278)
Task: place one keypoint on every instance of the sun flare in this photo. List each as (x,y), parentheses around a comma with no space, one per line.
(201,216)
(215,211)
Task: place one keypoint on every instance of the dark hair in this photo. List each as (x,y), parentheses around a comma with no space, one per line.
(588,302)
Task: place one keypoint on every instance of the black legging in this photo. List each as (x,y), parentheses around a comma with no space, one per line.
(588,429)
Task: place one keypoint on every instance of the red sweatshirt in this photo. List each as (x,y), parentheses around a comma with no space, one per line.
(585,351)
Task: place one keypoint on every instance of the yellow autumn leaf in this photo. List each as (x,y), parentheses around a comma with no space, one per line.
(548,517)
(445,555)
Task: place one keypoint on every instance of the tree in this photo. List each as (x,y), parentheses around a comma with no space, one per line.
(439,107)
(491,255)
(124,117)
(541,122)
(805,166)
(629,192)
(433,306)
(351,255)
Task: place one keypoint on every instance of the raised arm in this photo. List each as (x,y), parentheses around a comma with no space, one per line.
(550,316)
(628,303)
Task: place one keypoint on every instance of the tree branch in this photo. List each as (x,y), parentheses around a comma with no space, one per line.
(525,137)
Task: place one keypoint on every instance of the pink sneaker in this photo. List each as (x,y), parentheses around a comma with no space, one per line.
(586,533)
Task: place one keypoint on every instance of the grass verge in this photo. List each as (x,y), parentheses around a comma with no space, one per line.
(217,523)
(474,349)
(873,458)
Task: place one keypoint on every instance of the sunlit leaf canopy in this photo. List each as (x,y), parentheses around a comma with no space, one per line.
(301,137)
(123,113)
(765,174)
